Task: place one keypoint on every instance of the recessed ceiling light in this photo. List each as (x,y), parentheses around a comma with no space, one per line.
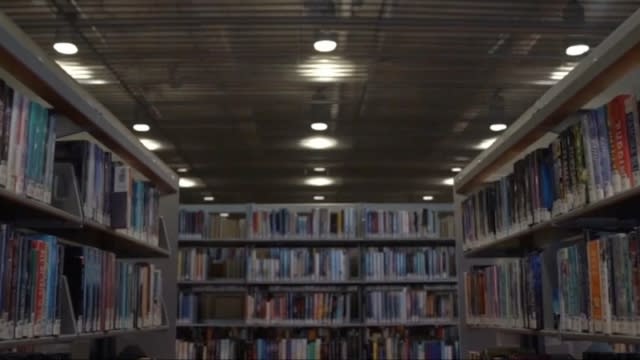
(224,214)
(318,197)
(577,49)
(456,169)
(187,183)
(319,169)
(319,181)
(319,126)
(150,144)
(485,144)
(208,198)
(182,170)
(325,45)
(497,127)
(318,142)
(65,48)
(141,127)
(427,198)
(448,181)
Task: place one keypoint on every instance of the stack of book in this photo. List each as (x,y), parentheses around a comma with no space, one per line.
(194,225)
(215,349)
(300,307)
(402,344)
(594,158)
(313,223)
(507,294)
(303,348)
(27,141)
(299,264)
(199,264)
(421,223)
(409,305)
(428,263)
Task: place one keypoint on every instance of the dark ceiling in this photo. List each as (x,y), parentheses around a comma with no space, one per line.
(225,84)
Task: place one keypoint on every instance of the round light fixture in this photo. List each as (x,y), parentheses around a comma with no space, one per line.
(456,169)
(208,198)
(141,127)
(318,142)
(577,49)
(427,198)
(325,45)
(319,181)
(319,126)
(497,127)
(318,197)
(65,48)
(186,183)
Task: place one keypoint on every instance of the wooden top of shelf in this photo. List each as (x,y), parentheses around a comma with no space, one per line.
(618,54)
(26,62)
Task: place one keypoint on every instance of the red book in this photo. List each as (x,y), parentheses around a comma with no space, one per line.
(41,253)
(621,142)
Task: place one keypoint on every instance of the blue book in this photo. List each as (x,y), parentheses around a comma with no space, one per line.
(605,150)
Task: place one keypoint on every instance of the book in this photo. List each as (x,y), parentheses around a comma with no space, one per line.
(321,264)
(393,263)
(199,264)
(326,222)
(405,344)
(193,225)
(421,223)
(406,305)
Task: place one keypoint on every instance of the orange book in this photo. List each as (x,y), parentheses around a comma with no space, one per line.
(617,110)
(595,291)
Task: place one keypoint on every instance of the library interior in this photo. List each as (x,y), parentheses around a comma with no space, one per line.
(319,179)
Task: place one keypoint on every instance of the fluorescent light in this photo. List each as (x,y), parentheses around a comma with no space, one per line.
(141,127)
(558,75)
(187,183)
(76,70)
(208,198)
(318,142)
(325,45)
(319,181)
(427,198)
(485,144)
(182,170)
(326,69)
(319,126)
(150,144)
(497,127)
(65,48)
(93,82)
(318,197)
(577,49)
(448,181)
(319,169)
(224,214)
(456,169)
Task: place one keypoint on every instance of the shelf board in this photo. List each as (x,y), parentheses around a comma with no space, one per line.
(315,283)
(218,282)
(303,324)
(67,338)
(522,331)
(19,207)
(315,242)
(609,338)
(520,242)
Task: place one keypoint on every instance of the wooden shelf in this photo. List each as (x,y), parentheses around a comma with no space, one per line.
(316,242)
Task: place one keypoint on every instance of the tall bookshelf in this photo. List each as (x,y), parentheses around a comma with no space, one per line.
(565,220)
(61,214)
(343,249)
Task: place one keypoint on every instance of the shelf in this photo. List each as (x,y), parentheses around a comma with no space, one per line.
(315,283)
(522,331)
(521,242)
(563,335)
(305,324)
(219,282)
(315,242)
(607,63)
(19,207)
(67,338)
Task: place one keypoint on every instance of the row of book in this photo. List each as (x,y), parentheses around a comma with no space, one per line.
(313,223)
(27,140)
(594,158)
(325,307)
(419,223)
(216,349)
(300,264)
(198,264)
(403,344)
(406,305)
(194,225)
(105,293)
(427,263)
(109,192)
(506,294)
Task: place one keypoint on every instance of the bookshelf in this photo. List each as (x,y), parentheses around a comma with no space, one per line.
(558,185)
(351,248)
(77,213)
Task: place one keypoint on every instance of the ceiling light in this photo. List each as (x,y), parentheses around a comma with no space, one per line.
(318,197)
(456,169)
(224,214)
(497,127)
(427,198)
(182,170)
(151,145)
(577,49)
(448,181)
(319,126)
(208,198)
(485,144)
(318,142)
(141,127)
(65,48)
(187,183)
(76,70)
(325,44)
(558,75)
(326,69)
(319,169)
(93,82)
(319,181)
